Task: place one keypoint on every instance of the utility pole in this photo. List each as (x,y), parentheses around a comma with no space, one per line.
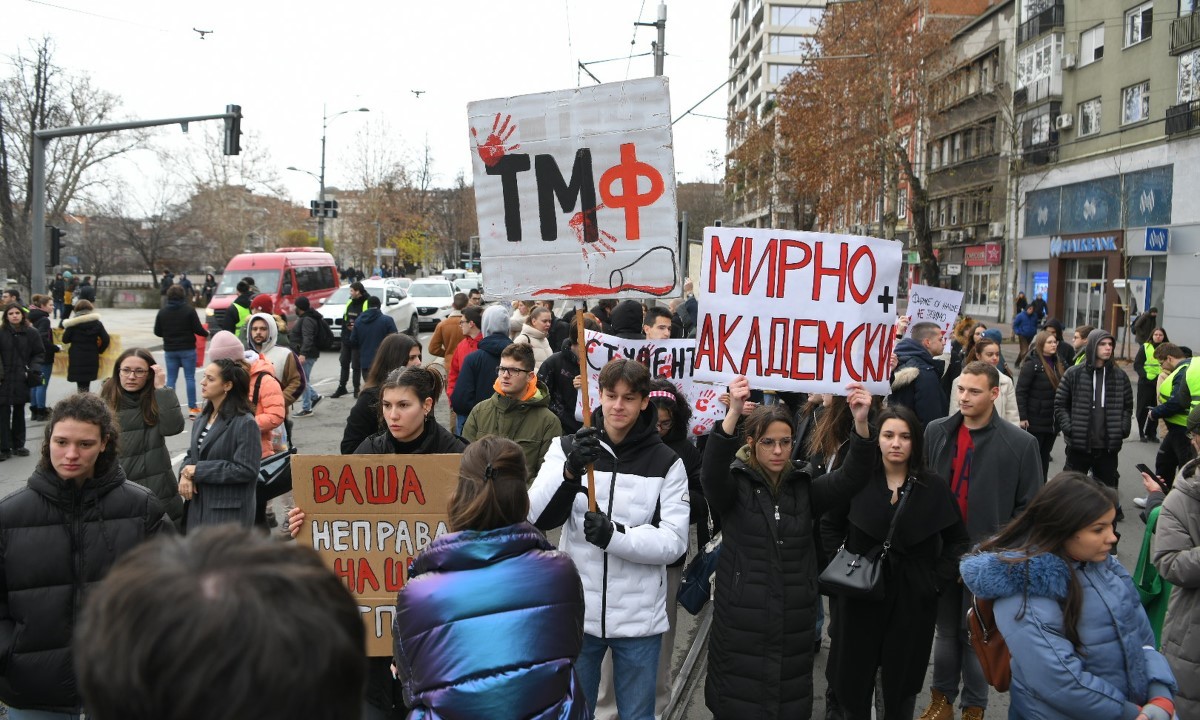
(660,46)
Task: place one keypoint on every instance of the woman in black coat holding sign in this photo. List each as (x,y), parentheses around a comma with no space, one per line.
(895,633)
(406,401)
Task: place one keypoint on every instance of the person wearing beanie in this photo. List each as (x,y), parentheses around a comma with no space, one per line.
(303,337)
(225,345)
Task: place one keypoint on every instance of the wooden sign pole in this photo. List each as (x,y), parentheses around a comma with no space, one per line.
(585,403)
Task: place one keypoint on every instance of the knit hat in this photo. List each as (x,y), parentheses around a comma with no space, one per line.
(302,304)
(262,303)
(225,345)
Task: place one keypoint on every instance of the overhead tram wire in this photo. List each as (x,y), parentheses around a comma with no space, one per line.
(633,40)
(97,15)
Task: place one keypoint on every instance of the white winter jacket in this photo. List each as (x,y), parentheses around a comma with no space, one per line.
(642,485)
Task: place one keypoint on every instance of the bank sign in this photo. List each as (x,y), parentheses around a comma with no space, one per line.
(1080,245)
(1158,239)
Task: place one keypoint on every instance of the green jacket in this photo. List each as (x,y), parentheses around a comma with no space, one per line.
(528,423)
(143,449)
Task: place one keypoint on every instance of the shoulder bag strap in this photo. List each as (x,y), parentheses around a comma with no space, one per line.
(904,493)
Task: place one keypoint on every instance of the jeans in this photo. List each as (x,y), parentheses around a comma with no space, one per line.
(15,714)
(953,656)
(462,422)
(310,393)
(37,393)
(635,667)
(12,427)
(58,309)
(184,360)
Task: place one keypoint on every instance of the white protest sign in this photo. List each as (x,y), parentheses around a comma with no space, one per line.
(931,304)
(668,359)
(575,192)
(800,311)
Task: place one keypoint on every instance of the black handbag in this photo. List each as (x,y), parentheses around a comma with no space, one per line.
(857,576)
(695,587)
(275,475)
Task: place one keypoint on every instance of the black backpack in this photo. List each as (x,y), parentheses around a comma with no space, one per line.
(324,338)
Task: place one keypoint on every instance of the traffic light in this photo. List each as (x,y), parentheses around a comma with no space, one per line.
(233,130)
(56,236)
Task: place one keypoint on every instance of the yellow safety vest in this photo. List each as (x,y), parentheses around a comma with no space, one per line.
(1152,367)
(243,316)
(1190,375)
(1080,357)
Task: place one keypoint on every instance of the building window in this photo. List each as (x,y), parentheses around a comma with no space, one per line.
(788,44)
(902,205)
(1091,45)
(780,72)
(1040,127)
(1189,78)
(1135,103)
(1186,7)
(1036,61)
(1089,117)
(935,155)
(795,16)
(1139,24)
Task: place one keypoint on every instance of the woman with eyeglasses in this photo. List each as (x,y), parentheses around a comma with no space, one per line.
(760,652)
(148,413)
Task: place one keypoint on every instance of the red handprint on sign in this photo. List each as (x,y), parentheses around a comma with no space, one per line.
(493,148)
(583,224)
(705,398)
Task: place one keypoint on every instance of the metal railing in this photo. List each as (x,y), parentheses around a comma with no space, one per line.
(1185,33)
(1048,19)
(1183,118)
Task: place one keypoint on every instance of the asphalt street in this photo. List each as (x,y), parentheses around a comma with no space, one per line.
(322,432)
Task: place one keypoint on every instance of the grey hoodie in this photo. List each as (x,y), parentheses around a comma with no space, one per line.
(287,371)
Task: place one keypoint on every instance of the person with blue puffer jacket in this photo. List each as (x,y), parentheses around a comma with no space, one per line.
(1081,644)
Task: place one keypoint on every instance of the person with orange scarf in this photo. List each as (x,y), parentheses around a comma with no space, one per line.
(519,410)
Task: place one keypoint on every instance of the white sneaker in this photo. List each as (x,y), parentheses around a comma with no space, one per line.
(1140,502)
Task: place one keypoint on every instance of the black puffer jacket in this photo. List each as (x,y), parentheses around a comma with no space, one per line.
(87,340)
(1073,401)
(760,652)
(144,454)
(627,320)
(56,540)
(178,325)
(1035,393)
(558,373)
(20,353)
(41,322)
(435,440)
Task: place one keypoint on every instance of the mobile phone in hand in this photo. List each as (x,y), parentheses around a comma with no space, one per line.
(1142,468)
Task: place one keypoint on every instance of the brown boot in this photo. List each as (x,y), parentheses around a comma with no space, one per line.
(972,713)
(939,707)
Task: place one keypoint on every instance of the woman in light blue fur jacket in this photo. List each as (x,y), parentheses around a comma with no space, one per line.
(1081,644)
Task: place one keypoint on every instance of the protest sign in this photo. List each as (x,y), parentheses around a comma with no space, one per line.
(930,304)
(808,312)
(575,192)
(672,360)
(368,516)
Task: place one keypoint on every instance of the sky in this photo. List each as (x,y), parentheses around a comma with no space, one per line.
(282,61)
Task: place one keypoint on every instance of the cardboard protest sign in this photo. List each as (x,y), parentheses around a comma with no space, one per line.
(368,516)
(808,312)
(930,304)
(575,192)
(672,360)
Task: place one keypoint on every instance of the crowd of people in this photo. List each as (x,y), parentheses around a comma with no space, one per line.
(943,484)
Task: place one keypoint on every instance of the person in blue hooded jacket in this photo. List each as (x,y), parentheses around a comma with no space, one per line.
(479,369)
(490,621)
(371,327)
(1081,644)
(917,380)
(1025,327)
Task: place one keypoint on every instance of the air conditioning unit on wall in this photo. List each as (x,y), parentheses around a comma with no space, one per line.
(969,233)
(1068,61)
(996,229)
(1064,122)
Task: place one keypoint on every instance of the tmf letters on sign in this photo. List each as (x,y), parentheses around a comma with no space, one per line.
(575,192)
(368,516)
(798,311)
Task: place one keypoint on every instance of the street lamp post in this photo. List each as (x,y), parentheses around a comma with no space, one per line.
(325,118)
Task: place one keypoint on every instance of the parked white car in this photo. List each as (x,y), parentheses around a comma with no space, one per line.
(434,297)
(395,303)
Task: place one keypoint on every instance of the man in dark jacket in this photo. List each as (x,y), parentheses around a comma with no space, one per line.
(178,325)
(238,312)
(80,491)
(58,291)
(1144,326)
(1094,409)
(626,320)
(1178,395)
(39,316)
(371,327)
(165,283)
(994,469)
(917,382)
(560,374)
(86,290)
(348,357)
(479,370)
(303,337)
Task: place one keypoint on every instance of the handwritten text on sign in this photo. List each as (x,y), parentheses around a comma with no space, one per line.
(672,360)
(575,192)
(368,516)
(930,304)
(799,311)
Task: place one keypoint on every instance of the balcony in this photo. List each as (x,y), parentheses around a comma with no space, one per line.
(1045,21)
(1185,33)
(1183,118)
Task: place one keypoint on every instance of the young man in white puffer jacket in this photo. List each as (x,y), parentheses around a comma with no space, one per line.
(622,549)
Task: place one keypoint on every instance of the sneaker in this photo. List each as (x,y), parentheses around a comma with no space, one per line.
(21,452)
(4,455)
(340,392)
(193,412)
(1140,502)
(318,399)
(305,413)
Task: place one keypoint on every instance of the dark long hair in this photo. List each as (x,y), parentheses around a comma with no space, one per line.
(833,427)
(391,355)
(237,400)
(666,396)
(916,433)
(111,390)
(491,486)
(424,383)
(1070,502)
(24,317)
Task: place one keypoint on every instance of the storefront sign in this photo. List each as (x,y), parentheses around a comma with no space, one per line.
(1079,245)
(954,269)
(982,255)
(1158,239)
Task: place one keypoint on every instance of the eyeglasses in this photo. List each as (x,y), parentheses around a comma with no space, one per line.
(770,443)
(510,371)
(134,372)
(664,425)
